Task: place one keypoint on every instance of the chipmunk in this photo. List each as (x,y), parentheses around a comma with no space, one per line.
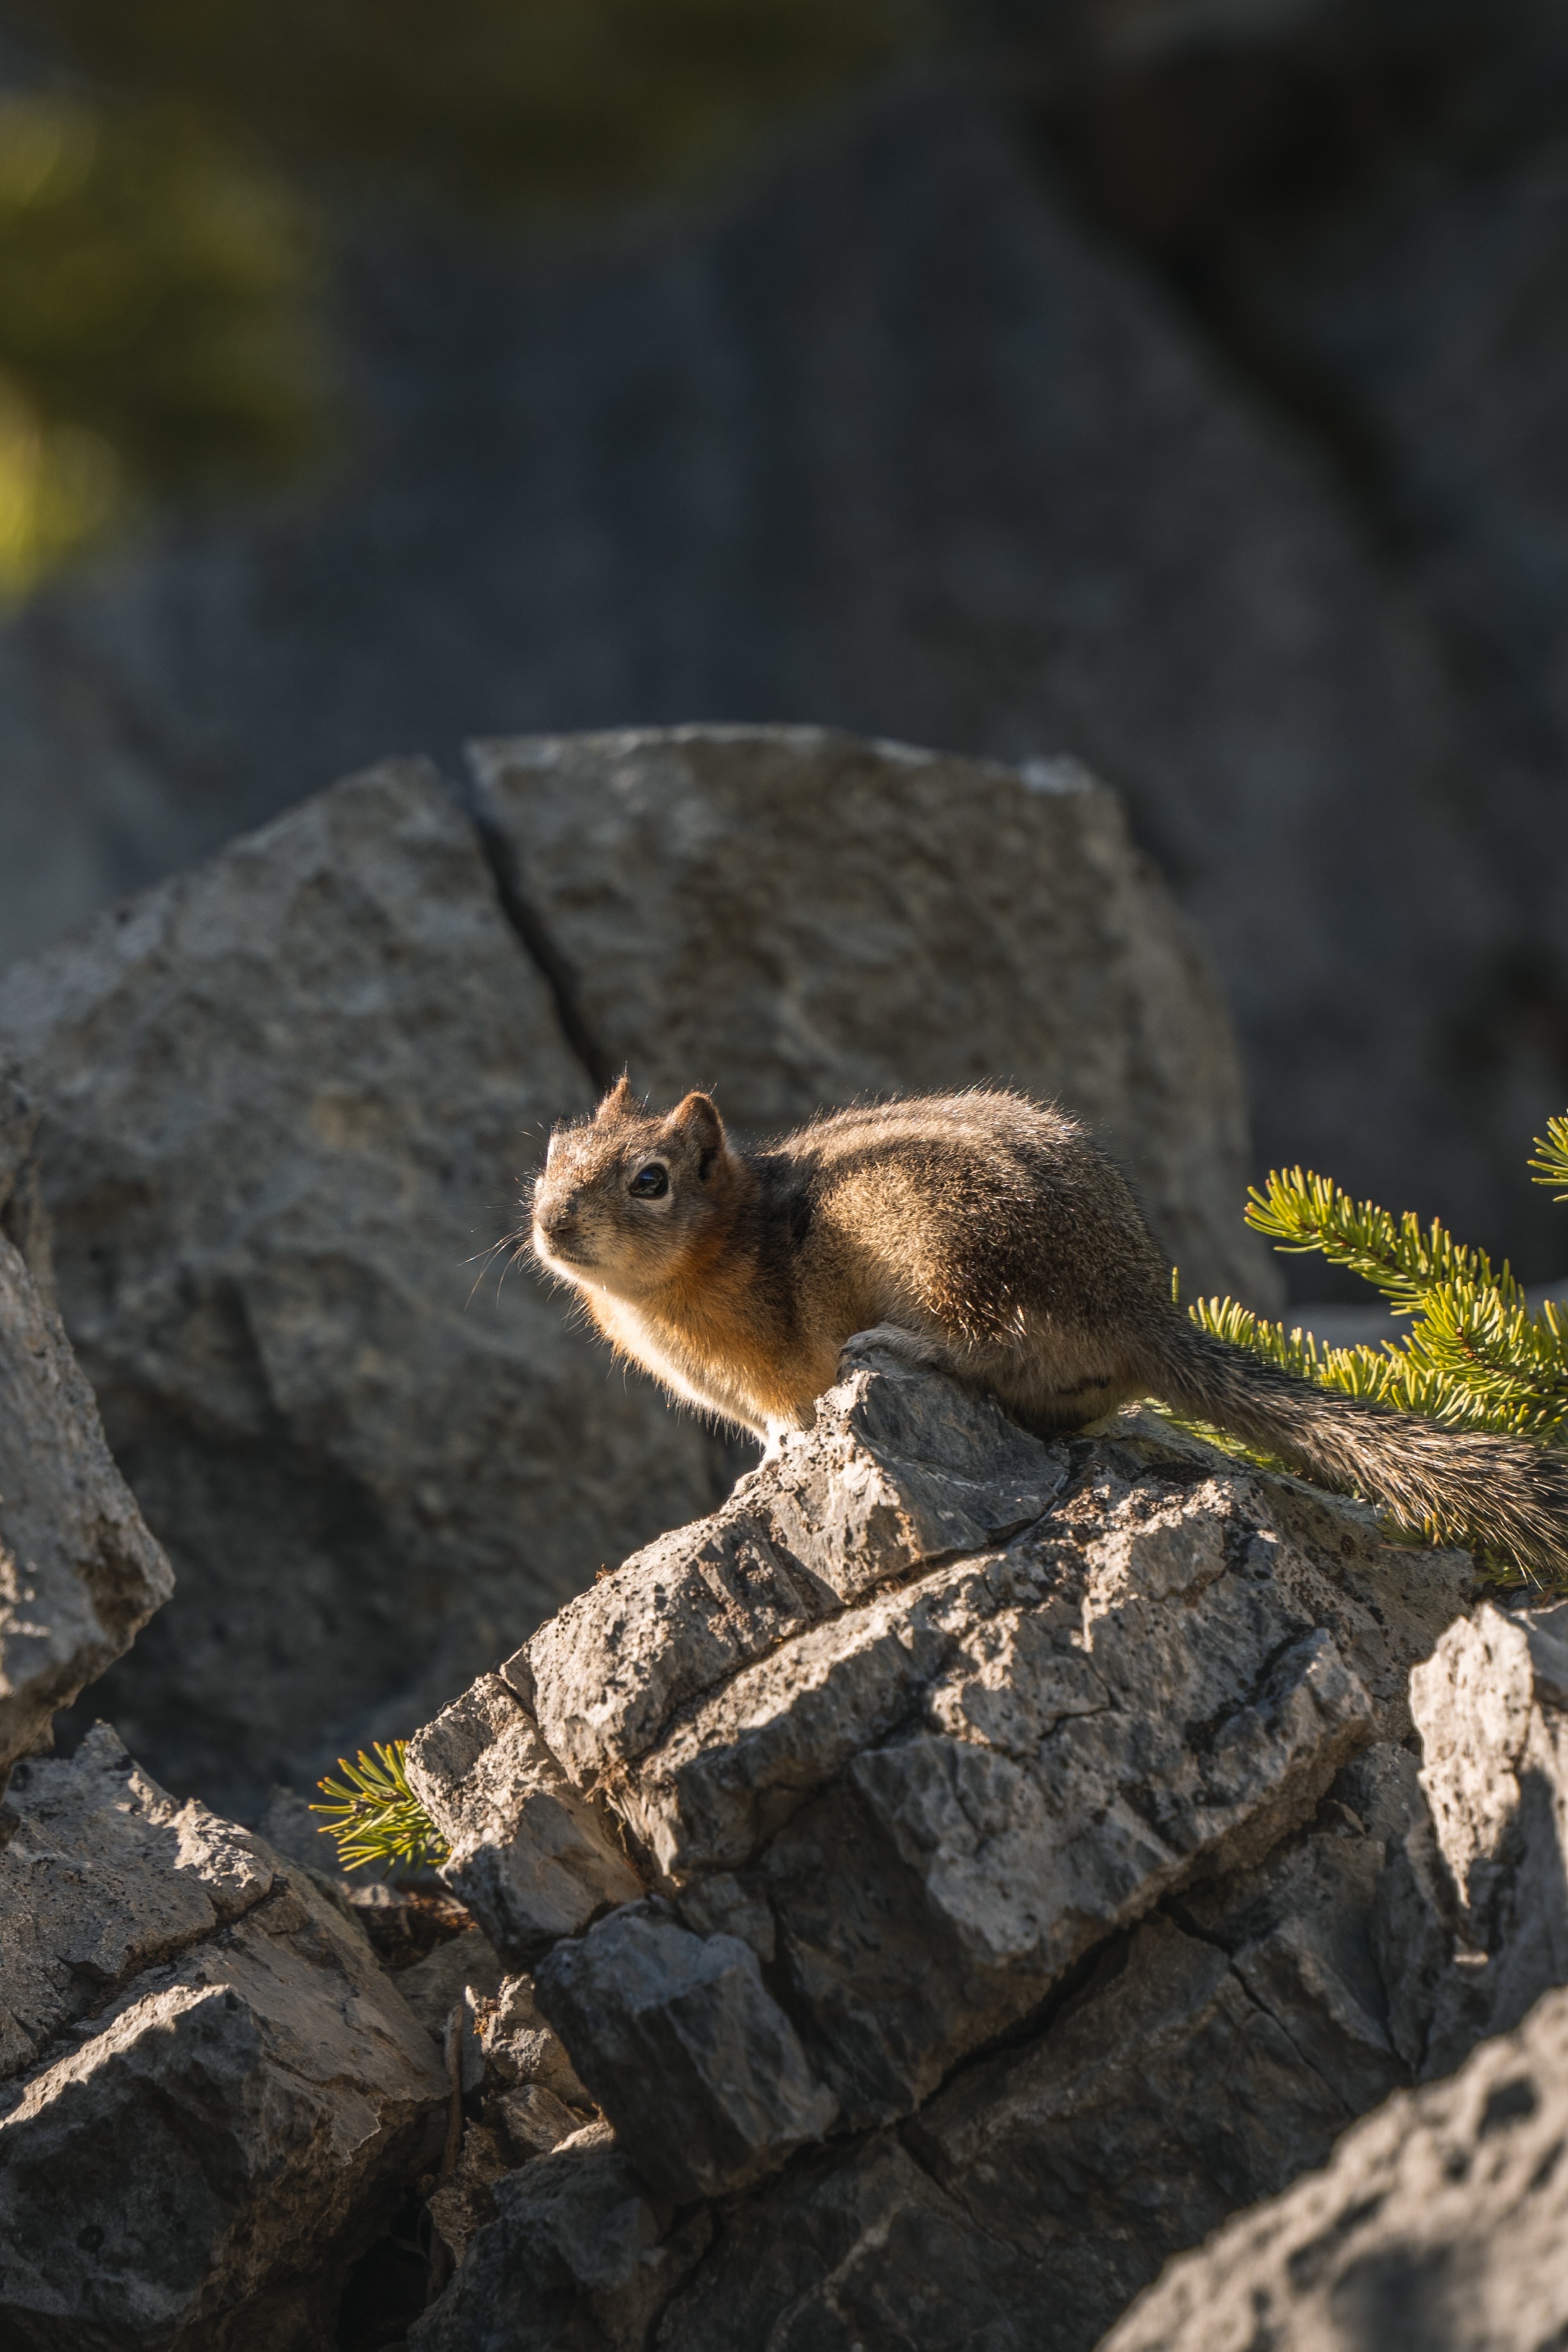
(981,1233)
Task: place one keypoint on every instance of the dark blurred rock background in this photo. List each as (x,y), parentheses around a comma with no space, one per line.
(1180,385)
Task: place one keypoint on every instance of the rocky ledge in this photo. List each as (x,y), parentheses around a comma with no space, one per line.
(902,1910)
(965,1870)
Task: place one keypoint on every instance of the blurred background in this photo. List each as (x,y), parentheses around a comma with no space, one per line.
(1180,384)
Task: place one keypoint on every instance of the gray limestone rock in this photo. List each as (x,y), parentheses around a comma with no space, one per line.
(210,2095)
(1202,2063)
(917,1798)
(1299,1929)
(934,1897)
(468,1963)
(829,916)
(286,1102)
(1028,2200)
(535,2119)
(1124,1696)
(1440,2220)
(520,2047)
(692,2059)
(528,1854)
(1472,1919)
(101,1875)
(79,1574)
(893,1473)
(579,2259)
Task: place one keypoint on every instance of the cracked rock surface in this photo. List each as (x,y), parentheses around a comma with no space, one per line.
(210,2091)
(79,1574)
(1441,2221)
(1472,1919)
(1005,1905)
(286,1103)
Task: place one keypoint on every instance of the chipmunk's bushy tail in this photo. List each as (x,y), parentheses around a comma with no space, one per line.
(1462,1485)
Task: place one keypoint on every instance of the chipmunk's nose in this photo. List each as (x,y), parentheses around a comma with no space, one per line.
(558,1227)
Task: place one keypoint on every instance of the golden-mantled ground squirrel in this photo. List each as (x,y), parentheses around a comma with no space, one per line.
(979,1232)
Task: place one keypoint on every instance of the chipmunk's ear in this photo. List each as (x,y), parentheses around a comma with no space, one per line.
(696,1121)
(618,1102)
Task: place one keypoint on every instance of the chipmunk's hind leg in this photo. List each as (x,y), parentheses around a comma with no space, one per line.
(1056,1380)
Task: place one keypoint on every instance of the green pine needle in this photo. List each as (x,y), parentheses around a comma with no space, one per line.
(1552,1167)
(1475,1356)
(376,1817)
(1404,1259)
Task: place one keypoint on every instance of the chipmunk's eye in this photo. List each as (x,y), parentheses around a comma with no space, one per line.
(650,1184)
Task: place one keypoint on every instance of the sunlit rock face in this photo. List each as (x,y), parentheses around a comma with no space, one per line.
(953,1868)
(211,2095)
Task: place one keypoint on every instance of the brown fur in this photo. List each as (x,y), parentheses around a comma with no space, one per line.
(980,1231)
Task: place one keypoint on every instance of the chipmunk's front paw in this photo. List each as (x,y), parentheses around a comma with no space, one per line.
(892,1340)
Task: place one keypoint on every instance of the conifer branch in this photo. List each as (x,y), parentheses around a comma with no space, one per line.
(376,1817)
(1475,1356)
(1552,1166)
(1300,1211)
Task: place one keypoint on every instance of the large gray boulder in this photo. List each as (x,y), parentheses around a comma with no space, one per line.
(79,1574)
(210,2096)
(288,1102)
(936,1737)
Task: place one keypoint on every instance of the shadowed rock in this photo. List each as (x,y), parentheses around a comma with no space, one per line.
(210,2095)
(1440,2222)
(1472,1919)
(79,1575)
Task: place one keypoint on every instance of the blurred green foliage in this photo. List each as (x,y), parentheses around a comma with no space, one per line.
(156,327)
(498,102)
(1476,1356)
(166,228)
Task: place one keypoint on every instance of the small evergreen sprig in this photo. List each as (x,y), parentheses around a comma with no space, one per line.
(1550,1165)
(1406,1260)
(375,1815)
(1475,1356)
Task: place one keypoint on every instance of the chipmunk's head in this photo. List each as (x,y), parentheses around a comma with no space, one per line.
(624,1200)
